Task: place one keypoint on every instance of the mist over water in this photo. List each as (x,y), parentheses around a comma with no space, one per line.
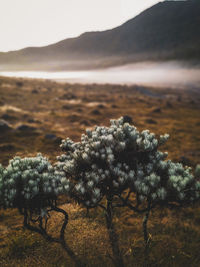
(166,74)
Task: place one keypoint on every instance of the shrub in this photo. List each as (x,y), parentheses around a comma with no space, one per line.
(112,161)
(31,184)
(109,160)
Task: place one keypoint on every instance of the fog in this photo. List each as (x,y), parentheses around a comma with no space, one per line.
(162,74)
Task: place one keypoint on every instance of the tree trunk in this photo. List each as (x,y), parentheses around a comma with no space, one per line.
(118,260)
(146,238)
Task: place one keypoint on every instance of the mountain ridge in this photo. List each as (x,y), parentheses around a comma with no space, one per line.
(167,30)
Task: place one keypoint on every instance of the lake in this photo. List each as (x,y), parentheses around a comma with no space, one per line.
(170,74)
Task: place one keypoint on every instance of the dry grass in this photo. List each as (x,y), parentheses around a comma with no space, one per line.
(66,110)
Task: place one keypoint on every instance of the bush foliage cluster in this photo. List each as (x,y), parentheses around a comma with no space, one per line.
(111,167)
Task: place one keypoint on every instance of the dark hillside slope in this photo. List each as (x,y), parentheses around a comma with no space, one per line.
(169,29)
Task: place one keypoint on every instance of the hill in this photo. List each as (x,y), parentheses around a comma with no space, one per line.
(168,30)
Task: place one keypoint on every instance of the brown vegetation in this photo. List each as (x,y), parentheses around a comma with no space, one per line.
(36,114)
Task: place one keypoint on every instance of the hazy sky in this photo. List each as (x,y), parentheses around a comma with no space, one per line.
(40,22)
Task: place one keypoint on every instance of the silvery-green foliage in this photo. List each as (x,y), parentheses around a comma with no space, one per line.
(165,181)
(197,171)
(109,160)
(1,185)
(31,183)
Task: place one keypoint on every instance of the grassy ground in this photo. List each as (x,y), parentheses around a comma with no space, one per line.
(66,110)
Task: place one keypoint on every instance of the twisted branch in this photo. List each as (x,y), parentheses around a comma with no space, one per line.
(42,231)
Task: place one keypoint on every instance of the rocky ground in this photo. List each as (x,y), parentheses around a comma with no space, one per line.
(35,115)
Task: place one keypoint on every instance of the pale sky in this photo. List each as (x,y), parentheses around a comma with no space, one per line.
(41,22)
